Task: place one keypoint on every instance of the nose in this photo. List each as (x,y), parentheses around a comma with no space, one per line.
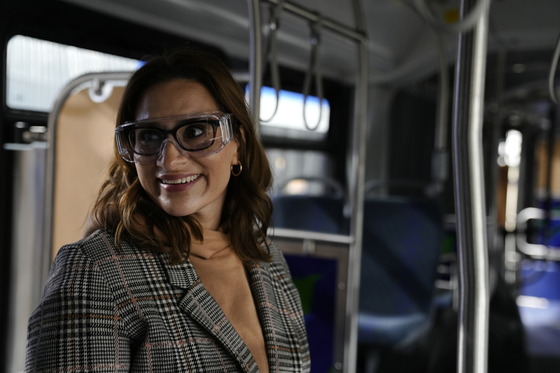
(169,154)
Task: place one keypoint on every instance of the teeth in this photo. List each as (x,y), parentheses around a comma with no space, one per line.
(181,181)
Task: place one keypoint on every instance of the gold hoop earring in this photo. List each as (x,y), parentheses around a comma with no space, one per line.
(236,169)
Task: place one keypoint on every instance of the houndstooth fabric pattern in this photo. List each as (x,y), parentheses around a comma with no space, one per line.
(105,309)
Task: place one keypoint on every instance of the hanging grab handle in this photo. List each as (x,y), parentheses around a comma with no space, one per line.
(271,55)
(313,70)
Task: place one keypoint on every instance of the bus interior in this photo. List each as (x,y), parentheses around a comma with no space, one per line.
(414,145)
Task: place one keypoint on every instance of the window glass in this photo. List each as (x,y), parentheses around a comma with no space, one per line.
(299,171)
(284,117)
(37,70)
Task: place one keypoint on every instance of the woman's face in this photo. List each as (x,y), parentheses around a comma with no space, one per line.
(178,182)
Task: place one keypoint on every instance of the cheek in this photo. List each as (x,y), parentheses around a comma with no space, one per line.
(221,173)
(220,164)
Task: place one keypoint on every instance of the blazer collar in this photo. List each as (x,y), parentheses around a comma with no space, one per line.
(262,286)
(212,318)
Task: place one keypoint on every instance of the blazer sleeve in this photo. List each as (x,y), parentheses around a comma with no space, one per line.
(77,326)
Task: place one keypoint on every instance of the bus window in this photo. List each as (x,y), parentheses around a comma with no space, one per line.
(292,116)
(289,165)
(38,69)
(289,117)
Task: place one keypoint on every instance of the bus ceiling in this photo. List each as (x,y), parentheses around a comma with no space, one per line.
(402,44)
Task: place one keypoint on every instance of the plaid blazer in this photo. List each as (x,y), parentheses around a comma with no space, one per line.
(105,309)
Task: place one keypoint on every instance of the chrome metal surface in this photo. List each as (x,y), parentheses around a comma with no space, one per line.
(470,203)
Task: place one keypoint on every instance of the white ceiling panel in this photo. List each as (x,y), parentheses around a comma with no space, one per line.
(401,44)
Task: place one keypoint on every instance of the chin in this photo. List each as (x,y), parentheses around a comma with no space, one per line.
(175,213)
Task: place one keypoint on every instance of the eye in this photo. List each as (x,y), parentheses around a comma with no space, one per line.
(145,139)
(146,136)
(195,131)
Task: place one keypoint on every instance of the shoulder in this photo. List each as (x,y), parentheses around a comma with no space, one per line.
(96,246)
(70,265)
(101,245)
(120,263)
(96,260)
(100,248)
(96,276)
(78,263)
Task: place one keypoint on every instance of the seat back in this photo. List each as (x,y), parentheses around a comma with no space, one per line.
(313,213)
(308,210)
(402,242)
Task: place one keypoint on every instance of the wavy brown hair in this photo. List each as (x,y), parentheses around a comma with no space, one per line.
(124,208)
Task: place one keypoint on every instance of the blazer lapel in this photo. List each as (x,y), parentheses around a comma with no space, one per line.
(201,306)
(262,286)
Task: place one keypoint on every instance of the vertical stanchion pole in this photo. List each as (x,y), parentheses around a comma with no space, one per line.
(356,188)
(255,63)
(357,203)
(470,203)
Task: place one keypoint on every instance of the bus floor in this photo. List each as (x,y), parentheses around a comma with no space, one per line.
(520,341)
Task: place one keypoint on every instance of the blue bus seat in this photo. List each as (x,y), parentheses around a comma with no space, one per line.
(323,214)
(402,243)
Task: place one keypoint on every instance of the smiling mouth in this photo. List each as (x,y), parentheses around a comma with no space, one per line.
(184,180)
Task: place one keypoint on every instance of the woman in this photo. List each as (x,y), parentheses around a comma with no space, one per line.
(176,273)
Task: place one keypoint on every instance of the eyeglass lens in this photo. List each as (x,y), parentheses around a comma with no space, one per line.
(190,135)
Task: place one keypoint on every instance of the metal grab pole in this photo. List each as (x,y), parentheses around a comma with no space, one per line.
(356,188)
(469,196)
(255,65)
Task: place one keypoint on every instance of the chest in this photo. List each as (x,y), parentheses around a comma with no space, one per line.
(173,323)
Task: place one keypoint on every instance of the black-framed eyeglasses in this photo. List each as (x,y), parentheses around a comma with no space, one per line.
(200,134)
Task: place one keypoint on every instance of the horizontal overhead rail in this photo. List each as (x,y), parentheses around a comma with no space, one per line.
(328,23)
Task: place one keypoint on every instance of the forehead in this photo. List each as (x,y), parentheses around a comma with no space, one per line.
(173,98)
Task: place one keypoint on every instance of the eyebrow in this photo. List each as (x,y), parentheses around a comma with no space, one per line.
(157,122)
